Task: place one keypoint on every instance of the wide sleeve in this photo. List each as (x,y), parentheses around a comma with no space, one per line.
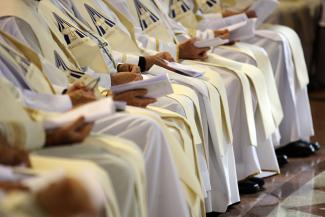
(20,30)
(16,123)
(152,44)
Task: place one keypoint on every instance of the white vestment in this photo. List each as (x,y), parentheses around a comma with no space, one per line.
(148,42)
(290,74)
(156,149)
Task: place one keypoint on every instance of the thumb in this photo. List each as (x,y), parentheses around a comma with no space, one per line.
(77,123)
(139,92)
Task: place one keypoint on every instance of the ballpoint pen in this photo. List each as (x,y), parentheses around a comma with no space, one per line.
(93,84)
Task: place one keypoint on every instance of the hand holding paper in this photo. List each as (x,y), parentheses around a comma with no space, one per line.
(215,42)
(184,70)
(91,112)
(157,86)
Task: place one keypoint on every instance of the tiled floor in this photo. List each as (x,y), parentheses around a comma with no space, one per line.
(300,190)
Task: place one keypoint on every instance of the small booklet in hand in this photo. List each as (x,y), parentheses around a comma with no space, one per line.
(156,86)
(244,32)
(91,112)
(215,42)
(185,70)
(239,26)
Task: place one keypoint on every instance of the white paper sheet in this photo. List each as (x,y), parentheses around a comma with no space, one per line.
(231,22)
(13,173)
(264,9)
(215,42)
(235,26)
(239,26)
(185,70)
(181,79)
(157,86)
(244,32)
(91,112)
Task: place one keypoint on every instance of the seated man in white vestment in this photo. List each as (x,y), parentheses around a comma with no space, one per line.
(133,52)
(291,74)
(158,34)
(113,155)
(153,144)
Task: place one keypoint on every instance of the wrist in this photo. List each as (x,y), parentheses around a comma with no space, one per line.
(143,63)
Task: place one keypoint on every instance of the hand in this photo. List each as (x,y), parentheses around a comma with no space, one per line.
(125,77)
(12,156)
(66,198)
(135,98)
(75,132)
(159,60)
(3,141)
(251,13)
(12,186)
(129,68)
(80,94)
(224,34)
(187,50)
(228,13)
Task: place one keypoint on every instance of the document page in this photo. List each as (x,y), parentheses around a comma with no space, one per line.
(215,42)
(244,32)
(185,70)
(91,112)
(157,86)
(230,23)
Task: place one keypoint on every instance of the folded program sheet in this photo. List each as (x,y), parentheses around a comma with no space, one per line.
(91,112)
(244,32)
(185,70)
(230,23)
(215,42)
(239,26)
(156,86)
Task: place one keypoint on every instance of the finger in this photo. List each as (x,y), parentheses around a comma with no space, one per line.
(76,124)
(136,69)
(231,43)
(144,102)
(168,57)
(80,134)
(78,85)
(139,77)
(168,68)
(123,77)
(28,163)
(203,49)
(193,39)
(86,129)
(139,92)
(76,137)
(203,55)
(130,94)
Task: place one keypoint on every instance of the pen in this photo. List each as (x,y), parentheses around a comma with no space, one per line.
(93,84)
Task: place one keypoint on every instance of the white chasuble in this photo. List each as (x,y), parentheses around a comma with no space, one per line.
(107,26)
(29,61)
(82,43)
(17,126)
(51,48)
(182,154)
